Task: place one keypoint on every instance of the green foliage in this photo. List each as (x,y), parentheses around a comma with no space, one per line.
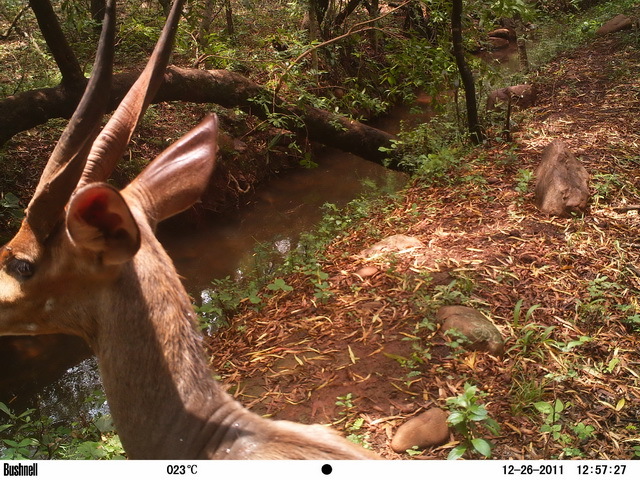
(517,313)
(318,279)
(353,422)
(512,9)
(432,151)
(33,437)
(457,341)
(279,285)
(266,275)
(554,426)
(468,417)
(415,63)
(605,186)
(11,212)
(603,294)
(456,292)
(221,301)
(523,179)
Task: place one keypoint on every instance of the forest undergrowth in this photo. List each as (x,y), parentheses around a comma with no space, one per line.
(364,352)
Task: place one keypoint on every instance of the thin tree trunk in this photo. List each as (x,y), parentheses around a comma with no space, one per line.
(346,11)
(314,33)
(5,35)
(229,15)
(97,10)
(475,129)
(166,6)
(207,16)
(56,41)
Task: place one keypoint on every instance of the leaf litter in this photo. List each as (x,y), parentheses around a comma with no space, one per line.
(563,293)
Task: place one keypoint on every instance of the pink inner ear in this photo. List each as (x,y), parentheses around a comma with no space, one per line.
(93,209)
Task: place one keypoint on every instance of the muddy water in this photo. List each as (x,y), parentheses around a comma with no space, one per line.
(277,214)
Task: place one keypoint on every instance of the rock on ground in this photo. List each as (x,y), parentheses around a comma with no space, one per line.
(426,430)
(562,183)
(481,333)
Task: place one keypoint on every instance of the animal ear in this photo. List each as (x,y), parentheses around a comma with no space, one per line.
(99,219)
(176,179)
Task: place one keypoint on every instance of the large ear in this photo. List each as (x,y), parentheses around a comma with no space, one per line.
(176,179)
(99,220)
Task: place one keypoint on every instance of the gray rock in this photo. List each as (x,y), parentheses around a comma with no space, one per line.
(393,244)
(481,333)
(426,430)
(562,183)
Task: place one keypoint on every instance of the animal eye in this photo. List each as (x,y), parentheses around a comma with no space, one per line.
(20,268)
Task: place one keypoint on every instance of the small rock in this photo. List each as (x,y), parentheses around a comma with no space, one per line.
(617,23)
(229,144)
(521,96)
(393,244)
(498,43)
(426,430)
(366,272)
(481,333)
(562,183)
(506,33)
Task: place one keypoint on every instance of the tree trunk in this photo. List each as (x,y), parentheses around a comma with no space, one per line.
(206,20)
(228,89)
(229,16)
(346,11)
(374,35)
(314,34)
(97,10)
(66,60)
(166,6)
(466,75)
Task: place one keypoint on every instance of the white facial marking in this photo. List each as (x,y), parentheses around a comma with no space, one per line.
(9,288)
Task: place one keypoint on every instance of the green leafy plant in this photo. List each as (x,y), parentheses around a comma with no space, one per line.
(318,279)
(221,301)
(30,436)
(279,284)
(517,313)
(432,151)
(571,436)
(532,341)
(353,423)
(456,292)
(602,294)
(468,418)
(523,179)
(11,213)
(457,341)
(552,412)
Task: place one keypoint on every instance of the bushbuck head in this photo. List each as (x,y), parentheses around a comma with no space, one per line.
(86,262)
(78,231)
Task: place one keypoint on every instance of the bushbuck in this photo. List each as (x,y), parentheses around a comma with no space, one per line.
(86,262)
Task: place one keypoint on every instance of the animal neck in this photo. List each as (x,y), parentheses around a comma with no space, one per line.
(160,391)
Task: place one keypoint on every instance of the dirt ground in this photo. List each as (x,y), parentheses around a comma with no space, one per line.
(374,344)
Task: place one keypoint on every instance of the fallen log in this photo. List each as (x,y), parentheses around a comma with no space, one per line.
(228,89)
